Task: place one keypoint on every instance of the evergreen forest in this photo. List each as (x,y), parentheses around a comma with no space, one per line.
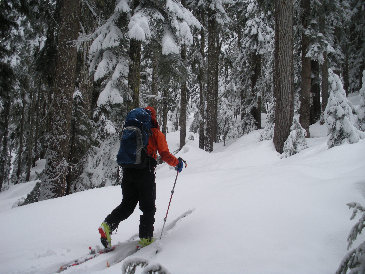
(71,70)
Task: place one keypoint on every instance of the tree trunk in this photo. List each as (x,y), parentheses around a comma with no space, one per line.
(305,86)
(21,138)
(155,66)
(211,82)
(183,101)
(37,122)
(4,134)
(82,111)
(315,110)
(134,74)
(201,79)
(30,136)
(242,81)
(165,109)
(256,109)
(283,72)
(216,82)
(346,81)
(54,183)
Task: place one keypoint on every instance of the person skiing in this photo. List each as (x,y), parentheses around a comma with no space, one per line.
(138,185)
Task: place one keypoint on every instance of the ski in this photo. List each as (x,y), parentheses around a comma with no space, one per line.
(93,253)
(122,250)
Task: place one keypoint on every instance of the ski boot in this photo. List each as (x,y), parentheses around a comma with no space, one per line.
(105,233)
(143,242)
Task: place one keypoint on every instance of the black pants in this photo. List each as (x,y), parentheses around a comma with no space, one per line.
(138,185)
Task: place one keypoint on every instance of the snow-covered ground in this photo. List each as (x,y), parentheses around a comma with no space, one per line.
(252,212)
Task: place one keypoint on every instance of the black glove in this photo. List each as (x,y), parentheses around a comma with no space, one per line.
(180,165)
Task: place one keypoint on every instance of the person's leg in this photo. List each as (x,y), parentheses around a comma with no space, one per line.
(147,198)
(129,201)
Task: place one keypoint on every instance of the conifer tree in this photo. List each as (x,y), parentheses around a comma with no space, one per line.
(256,42)
(361,112)
(8,16)
(354,261)
(268,131)
(215,17)
(296,141)
(339,116)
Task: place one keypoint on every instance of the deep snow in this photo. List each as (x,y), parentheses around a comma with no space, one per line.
(253,212)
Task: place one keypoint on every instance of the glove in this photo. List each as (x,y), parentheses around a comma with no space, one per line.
(180,165)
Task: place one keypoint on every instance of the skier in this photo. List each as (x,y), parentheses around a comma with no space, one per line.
(138,185)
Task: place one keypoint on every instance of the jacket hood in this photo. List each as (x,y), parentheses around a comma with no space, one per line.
(153,112)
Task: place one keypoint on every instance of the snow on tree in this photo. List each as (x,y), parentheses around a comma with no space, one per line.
(339,116)
(229,123)
(258,31)
(355,259)
(255,49)
(268,131)
(296,141)
(167,22)
(361,111)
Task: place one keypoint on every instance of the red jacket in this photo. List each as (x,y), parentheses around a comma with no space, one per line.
(157,143)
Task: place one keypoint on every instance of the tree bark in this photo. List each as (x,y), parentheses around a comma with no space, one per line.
(183,101)
(37,122)
(165,110)
(82,111)
(315,110)
(21,138)
(155,67)
(256,109)
(324,69)
(305,86)
(201,79)
(54,183)
(217,48)
(346,81)
(283,72)
(4,130)
(30,136)
(134,74)
(211,82)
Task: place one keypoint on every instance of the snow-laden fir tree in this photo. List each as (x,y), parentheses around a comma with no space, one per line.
(296,141)
(339,116)
(361,111)
(229,122)
(249,47)
(166,22)
(256,48)
(354,261)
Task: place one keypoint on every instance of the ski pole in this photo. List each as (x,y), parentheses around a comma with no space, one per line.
(172,193)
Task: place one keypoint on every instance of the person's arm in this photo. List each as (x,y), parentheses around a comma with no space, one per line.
(163,150)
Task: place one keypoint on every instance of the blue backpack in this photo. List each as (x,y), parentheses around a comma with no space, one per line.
(134,140)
